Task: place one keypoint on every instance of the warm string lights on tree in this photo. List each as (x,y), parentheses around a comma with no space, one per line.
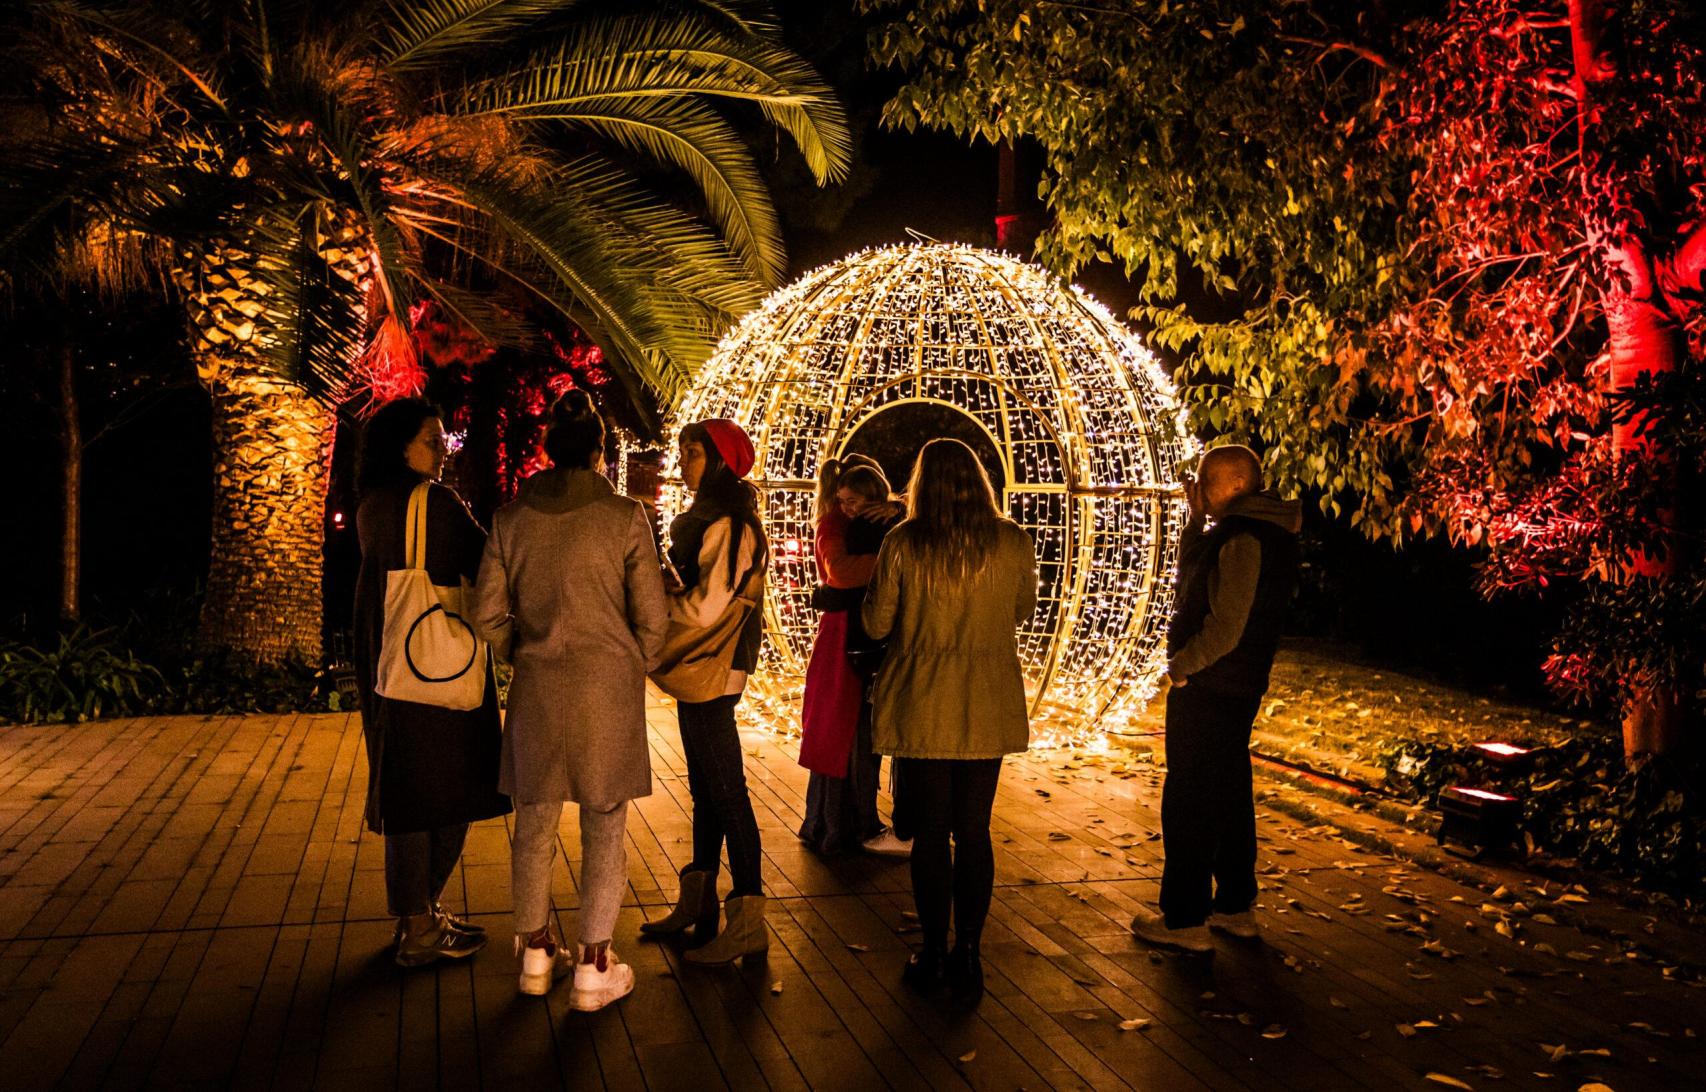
(1085,427)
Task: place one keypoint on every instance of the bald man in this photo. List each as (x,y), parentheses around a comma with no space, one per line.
(1237,571)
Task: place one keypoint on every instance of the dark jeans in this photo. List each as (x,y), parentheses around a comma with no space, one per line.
(1208,819)
(951,798)
(716,776)
(419,864)
(841,812)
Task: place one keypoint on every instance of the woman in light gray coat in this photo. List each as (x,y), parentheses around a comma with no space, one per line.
(571,594)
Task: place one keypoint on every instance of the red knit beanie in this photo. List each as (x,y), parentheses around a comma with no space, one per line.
(732,443)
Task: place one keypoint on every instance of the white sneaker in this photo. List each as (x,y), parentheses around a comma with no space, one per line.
(598,984)
(1151,928)
(1242,925)
(540,967)
(887,845)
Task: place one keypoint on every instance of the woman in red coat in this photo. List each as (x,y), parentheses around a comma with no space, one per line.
(854,512)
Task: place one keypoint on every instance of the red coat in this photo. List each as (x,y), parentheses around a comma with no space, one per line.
(829,715)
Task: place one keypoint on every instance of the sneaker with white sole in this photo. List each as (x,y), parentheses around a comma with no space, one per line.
(542,966)
(887,845)
(1151,928)
(1241,925)
(600,981)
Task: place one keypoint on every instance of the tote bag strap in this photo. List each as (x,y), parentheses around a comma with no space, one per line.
(415,528)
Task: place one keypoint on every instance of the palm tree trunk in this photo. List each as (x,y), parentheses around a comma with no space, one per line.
(272,459)
(71,483)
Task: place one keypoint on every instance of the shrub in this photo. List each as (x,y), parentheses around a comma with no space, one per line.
(1644,819)
(85,673)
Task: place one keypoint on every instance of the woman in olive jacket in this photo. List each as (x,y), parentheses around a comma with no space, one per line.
(952,585)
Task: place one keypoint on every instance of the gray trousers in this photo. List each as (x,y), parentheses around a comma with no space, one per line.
(604,866)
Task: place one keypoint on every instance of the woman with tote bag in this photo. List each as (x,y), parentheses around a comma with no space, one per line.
(571,594)
(952,585)
(431,770)
(718,551)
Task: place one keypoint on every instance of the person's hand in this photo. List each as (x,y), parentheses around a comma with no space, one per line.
(1193,494)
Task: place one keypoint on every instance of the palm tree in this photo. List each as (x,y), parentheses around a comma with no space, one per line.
(309,170)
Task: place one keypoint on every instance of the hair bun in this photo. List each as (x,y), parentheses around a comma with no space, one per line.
(574,405)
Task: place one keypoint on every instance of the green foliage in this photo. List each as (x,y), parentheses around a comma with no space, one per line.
(87,674)
(220,684)
(1376,237)
(81,675)
(1580,801)
(1215,159)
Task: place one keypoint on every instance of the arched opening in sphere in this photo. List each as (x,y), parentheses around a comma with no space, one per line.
(1086,435)
(895,434)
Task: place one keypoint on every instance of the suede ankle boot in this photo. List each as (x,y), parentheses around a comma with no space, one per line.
(695,906)
(744,934)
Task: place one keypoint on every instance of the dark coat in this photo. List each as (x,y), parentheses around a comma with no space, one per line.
(1235,582)
(426,767)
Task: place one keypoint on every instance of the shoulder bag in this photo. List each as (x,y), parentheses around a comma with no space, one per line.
(695,662)
(429,654)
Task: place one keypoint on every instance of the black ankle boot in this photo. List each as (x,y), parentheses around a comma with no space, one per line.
(924,971)
(964,971)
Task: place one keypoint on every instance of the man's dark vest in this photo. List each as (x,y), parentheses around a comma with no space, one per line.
(686,538)
(1245,669)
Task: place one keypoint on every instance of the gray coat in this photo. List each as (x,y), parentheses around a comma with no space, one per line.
(571,594)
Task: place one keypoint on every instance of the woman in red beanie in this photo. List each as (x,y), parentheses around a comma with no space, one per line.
(715,546)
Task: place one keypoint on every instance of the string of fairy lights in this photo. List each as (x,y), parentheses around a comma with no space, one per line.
(1088,430)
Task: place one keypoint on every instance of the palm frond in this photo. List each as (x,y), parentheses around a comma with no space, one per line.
(711,152)
(672,56)
(319,318)
(148,41)
(419,33)
(554,237)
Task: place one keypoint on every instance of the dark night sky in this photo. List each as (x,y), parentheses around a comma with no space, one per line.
(930,182)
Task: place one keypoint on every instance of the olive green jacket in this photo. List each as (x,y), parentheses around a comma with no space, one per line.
(951,685)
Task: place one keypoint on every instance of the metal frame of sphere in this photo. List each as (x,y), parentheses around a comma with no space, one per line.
(1087,426)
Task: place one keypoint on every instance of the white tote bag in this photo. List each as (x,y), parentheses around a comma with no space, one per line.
(429,653)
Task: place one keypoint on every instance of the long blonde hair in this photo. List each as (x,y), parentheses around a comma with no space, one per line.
(952,520)
(859,473)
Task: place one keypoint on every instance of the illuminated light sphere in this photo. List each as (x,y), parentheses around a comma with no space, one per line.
(1088,434)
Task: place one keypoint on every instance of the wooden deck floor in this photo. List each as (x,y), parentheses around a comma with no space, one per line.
(189,901)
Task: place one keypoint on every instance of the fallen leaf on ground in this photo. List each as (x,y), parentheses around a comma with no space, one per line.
(858,947)
(968,1055)
(1274,1031)
(775,987)
(1137,1023)
(1447,1080)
